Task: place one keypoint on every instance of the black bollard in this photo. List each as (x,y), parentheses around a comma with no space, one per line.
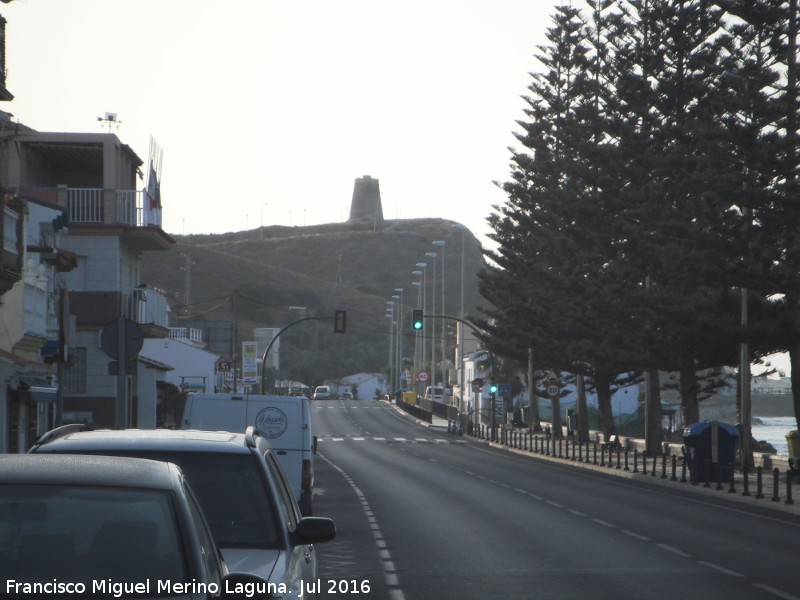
(674,468)
(627,468)
(594,447)
(746,481)
(663,466)
(732,488)
(635,460)
(719,475)
(708,473)
(683,470)
(603,455)
(644,463)
(759,483)
(775,483)
(789,487)
(619,457)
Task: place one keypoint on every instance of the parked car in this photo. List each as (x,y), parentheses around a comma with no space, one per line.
(253,514)
(285,421)
(346,396)
(76,520)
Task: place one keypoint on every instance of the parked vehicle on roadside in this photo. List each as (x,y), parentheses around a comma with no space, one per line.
(252,512)
(67,522)
(284,421)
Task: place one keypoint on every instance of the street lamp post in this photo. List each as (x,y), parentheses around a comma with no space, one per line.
(399,357)
(459,325)
(390,314)
(432,256)
(417,334)
(423,266)
(441,245)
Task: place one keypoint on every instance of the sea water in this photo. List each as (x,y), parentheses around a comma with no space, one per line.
(774,430)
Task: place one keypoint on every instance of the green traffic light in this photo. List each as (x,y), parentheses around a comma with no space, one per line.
(417,319)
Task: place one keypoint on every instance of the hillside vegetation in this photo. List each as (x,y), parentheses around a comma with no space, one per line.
(342,266)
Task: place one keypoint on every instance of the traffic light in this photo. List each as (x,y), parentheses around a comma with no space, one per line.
(339,321)
(492,387)
(417,319)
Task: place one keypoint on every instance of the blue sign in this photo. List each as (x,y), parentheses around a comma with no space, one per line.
(504,390)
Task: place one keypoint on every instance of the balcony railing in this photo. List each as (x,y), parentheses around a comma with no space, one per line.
(95,206)
(128,207)
(187,333)
(147,305)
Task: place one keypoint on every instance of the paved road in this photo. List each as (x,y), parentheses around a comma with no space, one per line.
(422,514)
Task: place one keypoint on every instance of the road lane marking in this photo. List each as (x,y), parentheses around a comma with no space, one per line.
(636,535)
(674,550)
(603,523)
(775,592)
(389,574)
(720,569)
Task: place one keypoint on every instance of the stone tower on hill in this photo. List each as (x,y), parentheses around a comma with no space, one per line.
(366,205)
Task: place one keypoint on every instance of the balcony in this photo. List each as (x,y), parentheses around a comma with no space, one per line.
(135,212)
(144,305)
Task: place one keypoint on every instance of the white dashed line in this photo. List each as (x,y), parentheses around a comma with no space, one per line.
(674,550)
(771,590)
(720,569)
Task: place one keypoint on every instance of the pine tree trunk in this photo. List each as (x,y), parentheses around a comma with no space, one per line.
(794,362)
(655,433)
(603,388)
(583,410)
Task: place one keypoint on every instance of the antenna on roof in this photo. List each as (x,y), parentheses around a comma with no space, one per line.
(110,119)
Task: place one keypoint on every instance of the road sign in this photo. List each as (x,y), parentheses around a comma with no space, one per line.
(504,390)
(477,384)
(423,376)
(552,390)
(131,334)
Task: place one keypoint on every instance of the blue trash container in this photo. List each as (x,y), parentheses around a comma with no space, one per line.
(705,461)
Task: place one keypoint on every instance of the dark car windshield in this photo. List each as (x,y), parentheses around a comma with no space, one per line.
(84,533)
(232,493)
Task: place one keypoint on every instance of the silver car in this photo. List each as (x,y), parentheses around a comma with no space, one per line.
(254,517)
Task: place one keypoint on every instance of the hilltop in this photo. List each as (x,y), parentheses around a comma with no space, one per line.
(340,266)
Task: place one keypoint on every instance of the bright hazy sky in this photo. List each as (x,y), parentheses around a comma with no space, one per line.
(268,110)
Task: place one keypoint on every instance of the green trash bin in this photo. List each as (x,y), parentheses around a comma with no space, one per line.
(793,442)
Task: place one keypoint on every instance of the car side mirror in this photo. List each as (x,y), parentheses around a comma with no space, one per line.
(314,530)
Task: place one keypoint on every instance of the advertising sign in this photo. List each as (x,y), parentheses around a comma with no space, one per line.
(249,362)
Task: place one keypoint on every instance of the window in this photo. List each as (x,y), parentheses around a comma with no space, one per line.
(75,377)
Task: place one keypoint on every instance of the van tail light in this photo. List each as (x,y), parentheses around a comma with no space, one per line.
(306,479)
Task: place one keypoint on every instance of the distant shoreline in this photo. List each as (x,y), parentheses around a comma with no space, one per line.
(763,405)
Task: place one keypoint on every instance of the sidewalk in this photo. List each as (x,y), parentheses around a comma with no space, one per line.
(659,474)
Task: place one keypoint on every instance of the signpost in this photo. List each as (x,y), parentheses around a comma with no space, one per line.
(122,339)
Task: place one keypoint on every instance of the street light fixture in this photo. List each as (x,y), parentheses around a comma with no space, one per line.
(432,256)
(424,267)
(460,325)
(441,244)
(399,356)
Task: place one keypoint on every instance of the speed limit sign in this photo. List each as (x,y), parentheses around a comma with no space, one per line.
(552,389)
(423,376)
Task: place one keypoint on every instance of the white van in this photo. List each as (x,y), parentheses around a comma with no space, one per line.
(285,421)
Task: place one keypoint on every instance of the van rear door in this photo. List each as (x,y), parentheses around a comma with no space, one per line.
(283,422)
